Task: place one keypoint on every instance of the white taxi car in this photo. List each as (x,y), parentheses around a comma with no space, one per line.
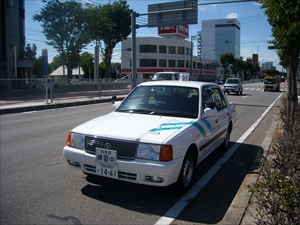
(156,136)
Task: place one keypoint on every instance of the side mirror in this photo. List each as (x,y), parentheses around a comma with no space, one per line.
(208,112)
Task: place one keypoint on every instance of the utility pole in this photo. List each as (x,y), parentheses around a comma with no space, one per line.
(193,37)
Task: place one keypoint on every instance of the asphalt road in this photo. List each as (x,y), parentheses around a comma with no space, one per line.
(38,187)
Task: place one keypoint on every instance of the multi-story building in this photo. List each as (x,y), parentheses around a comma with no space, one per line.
(171,52)
(219,37)
(13,66)
(267,66)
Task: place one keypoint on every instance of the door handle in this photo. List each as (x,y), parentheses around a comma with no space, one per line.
(216,121)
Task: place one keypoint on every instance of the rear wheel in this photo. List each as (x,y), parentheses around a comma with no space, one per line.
(186,174)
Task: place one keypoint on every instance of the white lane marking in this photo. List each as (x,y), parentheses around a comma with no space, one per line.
(245,96)
(178,207)
(29,112)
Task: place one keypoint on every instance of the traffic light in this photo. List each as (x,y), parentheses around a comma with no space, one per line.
(272,47)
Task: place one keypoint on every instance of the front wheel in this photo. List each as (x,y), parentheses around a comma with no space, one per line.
(225,143)
(184,181)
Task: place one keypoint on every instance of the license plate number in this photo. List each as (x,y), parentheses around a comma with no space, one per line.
(106,163)
(107,170)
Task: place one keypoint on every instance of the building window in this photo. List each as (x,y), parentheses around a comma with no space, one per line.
(148,63)
(187,64)
(180,63)
(162,63)
(180,50)
(172,50)
(162,49)
(187,51)
(148,48)
(226,41)
(172,63)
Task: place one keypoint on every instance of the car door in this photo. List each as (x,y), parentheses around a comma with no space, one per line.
(215,125)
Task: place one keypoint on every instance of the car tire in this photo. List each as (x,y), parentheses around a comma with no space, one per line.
(224,146)
(184,181)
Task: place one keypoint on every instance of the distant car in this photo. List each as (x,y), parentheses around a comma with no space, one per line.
(156,136)
(166,76)
(219,81)
(233,85)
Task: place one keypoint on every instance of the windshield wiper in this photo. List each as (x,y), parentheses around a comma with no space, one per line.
(176,114)
(141,111)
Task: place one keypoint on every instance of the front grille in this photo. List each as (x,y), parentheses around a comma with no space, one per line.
(125,150)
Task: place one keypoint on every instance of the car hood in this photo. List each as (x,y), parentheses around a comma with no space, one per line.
(134,127)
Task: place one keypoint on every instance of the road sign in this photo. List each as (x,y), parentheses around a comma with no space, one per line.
(45,63)
(173,13)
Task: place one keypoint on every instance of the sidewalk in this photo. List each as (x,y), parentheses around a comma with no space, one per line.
(17,104)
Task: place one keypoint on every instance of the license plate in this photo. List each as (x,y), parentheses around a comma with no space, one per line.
(106,163)
(107,170)
(106,156)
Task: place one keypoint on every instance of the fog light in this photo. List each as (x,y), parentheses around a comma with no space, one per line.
(155,179)
(73,163)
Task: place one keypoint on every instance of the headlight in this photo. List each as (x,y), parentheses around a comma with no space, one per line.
(147,151)
(76,140)
(163,153)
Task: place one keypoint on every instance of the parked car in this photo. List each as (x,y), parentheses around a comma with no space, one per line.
(233,85)
(156,136)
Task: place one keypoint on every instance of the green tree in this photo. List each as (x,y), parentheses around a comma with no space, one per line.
(57,61)
(226,60)
(256,68)
(37,67)
(87,64)
(239,66)
(284,18)
(30,52)
(109,23)
(65,27)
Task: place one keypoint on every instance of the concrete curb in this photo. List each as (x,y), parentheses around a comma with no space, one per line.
(57,104)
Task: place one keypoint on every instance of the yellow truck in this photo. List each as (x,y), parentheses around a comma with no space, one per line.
(272,82)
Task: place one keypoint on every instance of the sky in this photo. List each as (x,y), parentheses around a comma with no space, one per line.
(255,29)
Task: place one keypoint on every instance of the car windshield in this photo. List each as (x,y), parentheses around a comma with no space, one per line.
(232,81)
(270,81)
(171,101)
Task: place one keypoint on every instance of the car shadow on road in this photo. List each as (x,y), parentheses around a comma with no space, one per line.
(210,204)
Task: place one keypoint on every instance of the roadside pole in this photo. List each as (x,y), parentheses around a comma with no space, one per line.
(99,87)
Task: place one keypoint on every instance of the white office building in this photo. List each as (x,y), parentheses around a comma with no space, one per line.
(171,52)
(267,66)
(219,37)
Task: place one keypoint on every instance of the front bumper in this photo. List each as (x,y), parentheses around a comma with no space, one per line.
(230,89)
(138,171)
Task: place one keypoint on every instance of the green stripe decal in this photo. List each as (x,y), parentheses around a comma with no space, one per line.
(200,128)
(177,126)
(165,128)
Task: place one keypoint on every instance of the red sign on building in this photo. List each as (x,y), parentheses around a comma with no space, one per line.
(181,30)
